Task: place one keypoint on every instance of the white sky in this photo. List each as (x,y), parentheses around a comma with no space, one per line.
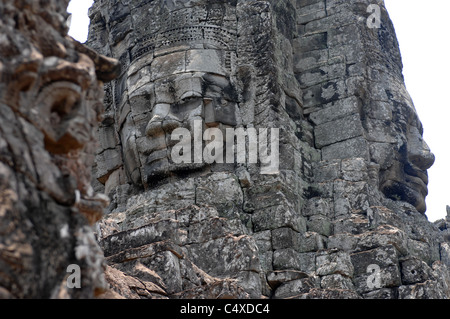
(80,19)
(422,29)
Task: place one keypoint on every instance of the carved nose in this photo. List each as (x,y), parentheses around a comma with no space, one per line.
(423,159)
(158,125)
(154,126)
(419,153)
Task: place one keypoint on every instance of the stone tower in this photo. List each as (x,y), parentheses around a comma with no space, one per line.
(340,215)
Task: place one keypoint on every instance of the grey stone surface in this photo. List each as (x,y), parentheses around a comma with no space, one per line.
(51,90)
(344,214)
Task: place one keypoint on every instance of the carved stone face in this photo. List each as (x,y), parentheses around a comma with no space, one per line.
(395,136)
(182,69)
(201,92)
(406,178)
(62,104)
(52,82)
(51,90)
(393,128)
(180,73)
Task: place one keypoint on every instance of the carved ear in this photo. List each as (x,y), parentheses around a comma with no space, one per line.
(209,113)
(107,69)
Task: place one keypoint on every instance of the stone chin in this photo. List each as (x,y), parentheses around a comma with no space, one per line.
(413,191)
(161,170)
(407,179)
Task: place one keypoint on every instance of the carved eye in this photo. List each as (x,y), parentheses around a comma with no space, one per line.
(56,104)
(187,99)
(58,100)
(189,96)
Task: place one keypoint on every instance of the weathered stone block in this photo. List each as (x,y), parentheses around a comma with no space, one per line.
(277,277)
(158,231)
(115,179)
(384,293)
(317,206)
(342,207)
(321,74)
(352,224)
(338,131)
(276,217)
(287,258)
(310,60)
(323,93)
(414,271)
(167,266)
(290,259)
(383,236)
(311,241)
(375,269)
(335,110)
(327,170)
(309,43)
(355,147)
(320,224)
(426,290)
(168,64)
(293,288)
(108,161)
(315,15)
(329,263)
(379,131)
(285,238)
(354,170)
(108,138)
(342,241)
(420,250)
(227,255)
(223,190)
(336,281)
(445,253)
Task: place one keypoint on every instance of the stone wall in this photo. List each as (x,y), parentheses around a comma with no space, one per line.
(343,217)
(372,154)
(50,100)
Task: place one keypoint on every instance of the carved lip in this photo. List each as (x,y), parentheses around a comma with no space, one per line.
(416,177)
(409,190)
(418,183)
